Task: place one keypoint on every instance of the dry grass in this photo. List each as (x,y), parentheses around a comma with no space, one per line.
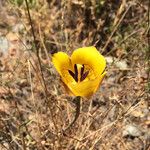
(34,108)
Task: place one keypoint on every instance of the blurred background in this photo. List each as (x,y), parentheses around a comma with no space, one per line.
(34,107)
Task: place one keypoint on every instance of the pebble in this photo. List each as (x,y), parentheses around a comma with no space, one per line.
(132,130)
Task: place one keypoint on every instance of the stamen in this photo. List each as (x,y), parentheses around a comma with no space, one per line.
(84,76)
(76,73)
(71,73)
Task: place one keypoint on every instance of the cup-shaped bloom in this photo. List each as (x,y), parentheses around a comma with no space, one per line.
(82,72)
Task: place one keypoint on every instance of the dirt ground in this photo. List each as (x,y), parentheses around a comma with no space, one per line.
(35,108)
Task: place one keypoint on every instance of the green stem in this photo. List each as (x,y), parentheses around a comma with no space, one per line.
(77,102)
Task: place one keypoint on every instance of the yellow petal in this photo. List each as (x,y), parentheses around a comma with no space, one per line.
(91,57)
(62,64)
(86,88)
(61,61)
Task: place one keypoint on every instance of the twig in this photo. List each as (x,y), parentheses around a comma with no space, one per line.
(42,76)
(113,32)
(39,61)
(148,40)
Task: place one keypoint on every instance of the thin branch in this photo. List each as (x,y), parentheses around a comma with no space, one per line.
(32,29)
(115,29)
(148,40)
(40,66)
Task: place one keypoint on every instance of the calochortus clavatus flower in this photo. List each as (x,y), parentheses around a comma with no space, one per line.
(82,72)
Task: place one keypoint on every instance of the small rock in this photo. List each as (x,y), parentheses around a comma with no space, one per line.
(17,28)
(121,64)
(132,131)
(4,45)
(109,59)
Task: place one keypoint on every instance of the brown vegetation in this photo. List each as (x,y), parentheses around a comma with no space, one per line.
(34,107)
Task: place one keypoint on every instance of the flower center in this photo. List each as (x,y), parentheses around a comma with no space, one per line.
(79,73)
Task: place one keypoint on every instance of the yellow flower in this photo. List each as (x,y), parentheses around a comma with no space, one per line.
(83,72)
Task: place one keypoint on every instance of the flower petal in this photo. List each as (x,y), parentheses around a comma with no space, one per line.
(86,88)
(91,57)
(61,61)
(62,64)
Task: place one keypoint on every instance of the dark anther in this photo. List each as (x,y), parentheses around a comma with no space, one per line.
(76,73)
(71,73)
(84,76)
